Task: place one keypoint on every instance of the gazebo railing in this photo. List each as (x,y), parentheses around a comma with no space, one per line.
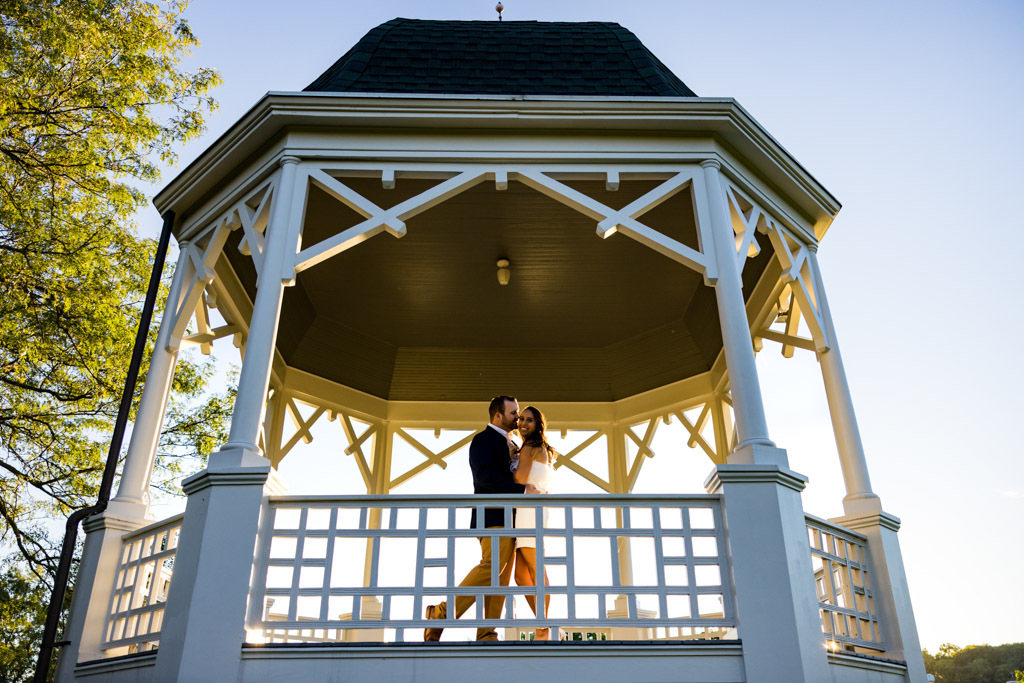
(365,568)
(141,582)
(845,599)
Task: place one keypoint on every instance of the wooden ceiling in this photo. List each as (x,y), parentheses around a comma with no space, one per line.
(424,317)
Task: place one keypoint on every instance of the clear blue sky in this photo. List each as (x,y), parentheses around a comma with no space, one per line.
(909,113)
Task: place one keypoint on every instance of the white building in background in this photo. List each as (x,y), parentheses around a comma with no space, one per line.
(475,142)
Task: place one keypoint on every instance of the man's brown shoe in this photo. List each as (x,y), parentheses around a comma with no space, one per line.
(438,611)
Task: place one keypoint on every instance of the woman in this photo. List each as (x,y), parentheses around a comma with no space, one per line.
(535,466)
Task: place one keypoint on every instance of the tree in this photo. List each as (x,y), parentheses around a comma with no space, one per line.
(976,663)
(93,99)
(22,613)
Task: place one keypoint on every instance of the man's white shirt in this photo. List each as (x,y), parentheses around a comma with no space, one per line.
(499,430)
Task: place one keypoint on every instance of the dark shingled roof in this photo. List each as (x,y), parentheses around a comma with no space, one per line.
(501,58)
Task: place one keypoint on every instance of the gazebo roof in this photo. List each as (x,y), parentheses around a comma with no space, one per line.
(414,105)
(501,58)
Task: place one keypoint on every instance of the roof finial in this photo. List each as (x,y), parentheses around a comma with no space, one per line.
(499,7)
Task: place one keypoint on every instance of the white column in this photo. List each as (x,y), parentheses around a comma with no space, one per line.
(751,425)
(90,601)
(380,485)
(383,443)
(259,348)
(138,463)
(776,603)
(204,621)
(618,475)
(273,425)
(859,496)
(618,480)
(888,581)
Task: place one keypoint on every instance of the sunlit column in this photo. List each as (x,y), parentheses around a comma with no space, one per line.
(141,455)
(618,480)
(859,496)
(380,484)
(259,348)
(383,441)
(380,479)
(273,424)
(751,425)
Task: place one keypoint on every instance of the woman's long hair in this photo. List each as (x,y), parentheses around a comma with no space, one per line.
(539,437)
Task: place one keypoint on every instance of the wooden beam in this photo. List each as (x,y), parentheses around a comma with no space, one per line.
(588,475)
(643,451)
(377,219)
(302,426)
(610,220)
(426,464)
(214,334)
(721,429)
(798,342)
(565,458)
(695,435)
(357,444)
(424,451)
(364,469)
(702,421)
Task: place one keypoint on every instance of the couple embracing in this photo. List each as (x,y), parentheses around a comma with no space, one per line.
(500,467)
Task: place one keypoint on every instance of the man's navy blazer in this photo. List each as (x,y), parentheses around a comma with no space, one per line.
(489,460)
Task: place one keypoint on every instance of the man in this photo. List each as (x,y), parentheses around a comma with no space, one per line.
(489,459)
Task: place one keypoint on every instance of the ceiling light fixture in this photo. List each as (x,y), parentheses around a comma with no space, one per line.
(503,272)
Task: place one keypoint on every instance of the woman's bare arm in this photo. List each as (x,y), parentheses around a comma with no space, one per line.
(522,473)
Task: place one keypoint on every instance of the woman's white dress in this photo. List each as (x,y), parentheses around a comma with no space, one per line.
(526,517)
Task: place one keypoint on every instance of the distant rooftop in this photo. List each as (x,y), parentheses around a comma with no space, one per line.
(501,58)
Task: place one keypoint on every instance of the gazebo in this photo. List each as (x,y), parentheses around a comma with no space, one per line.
(415,233)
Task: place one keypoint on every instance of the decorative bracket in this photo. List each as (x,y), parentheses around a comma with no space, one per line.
(566,460)
(377,219)
(610,221)
(792,254)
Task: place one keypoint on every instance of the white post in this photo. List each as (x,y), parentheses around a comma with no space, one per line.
(751,425)
(127,510)
(863,507)
(138,464)
(618,475)
(618,480)
(380,485)
(90,601)
(383,443)
(888,581)
(259,349)
(204,623)
(860,499)
(776,604)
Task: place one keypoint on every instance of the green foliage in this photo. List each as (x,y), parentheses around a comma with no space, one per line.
(92,99)
(23,601)
(976,663)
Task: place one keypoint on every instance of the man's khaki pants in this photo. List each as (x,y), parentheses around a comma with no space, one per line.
(480,575)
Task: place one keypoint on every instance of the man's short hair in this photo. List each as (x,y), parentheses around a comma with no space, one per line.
(497,406)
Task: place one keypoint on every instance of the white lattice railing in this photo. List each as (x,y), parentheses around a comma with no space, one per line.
(365,568)
(141,583)
(847,606)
